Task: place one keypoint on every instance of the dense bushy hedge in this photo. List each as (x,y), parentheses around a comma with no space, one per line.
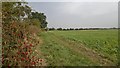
(18,41)
(19,34)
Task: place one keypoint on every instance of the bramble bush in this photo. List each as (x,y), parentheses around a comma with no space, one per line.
(18,42)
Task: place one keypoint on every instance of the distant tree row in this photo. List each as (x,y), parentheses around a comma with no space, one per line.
(80,28)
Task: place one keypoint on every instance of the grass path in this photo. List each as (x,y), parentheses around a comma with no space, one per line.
(87,52)
(59,51)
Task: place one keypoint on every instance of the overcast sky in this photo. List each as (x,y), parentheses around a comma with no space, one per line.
(78,14)
(72,0)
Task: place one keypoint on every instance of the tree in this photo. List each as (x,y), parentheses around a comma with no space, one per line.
(14,11)
(51,28)
(59,28)
(76,29)
(71,28)
(41,17)
(36,22)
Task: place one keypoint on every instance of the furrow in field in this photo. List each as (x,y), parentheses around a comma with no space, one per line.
(81,49)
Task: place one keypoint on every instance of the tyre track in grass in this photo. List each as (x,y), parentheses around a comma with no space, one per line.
(56,53)
(81,49)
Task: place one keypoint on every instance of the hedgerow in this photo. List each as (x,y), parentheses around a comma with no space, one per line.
(18,44)
(20,27)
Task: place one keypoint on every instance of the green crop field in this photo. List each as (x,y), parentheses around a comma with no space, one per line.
(80,47)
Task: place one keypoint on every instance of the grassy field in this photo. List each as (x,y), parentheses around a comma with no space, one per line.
(80,48)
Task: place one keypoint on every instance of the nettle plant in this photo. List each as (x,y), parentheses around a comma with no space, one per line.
(18,46)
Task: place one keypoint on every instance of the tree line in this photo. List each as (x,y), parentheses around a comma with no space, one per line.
(65,29)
